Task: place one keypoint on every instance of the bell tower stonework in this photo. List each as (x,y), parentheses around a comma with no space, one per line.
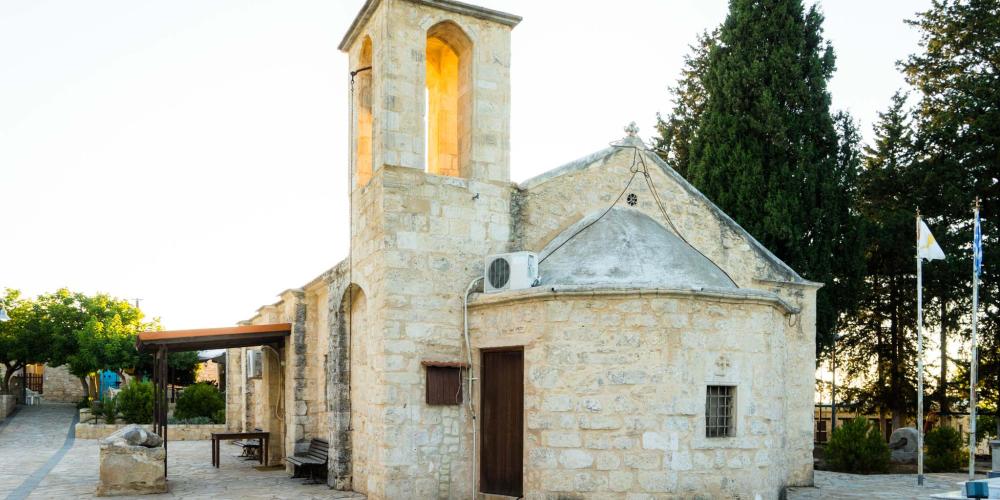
(430,198)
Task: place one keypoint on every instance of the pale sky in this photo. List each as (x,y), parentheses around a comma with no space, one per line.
(192,153)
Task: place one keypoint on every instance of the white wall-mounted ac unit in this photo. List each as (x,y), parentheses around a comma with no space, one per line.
(254,363)
(510,271)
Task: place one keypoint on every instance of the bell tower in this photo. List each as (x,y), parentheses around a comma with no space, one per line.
(430,198)
(431,89)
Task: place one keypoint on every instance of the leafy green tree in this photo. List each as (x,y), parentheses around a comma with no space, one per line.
(92,332)
(23,340)
(766,149)
(957,73)
(676,131)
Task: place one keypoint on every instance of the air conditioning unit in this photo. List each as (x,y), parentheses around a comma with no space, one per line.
(254,364)
(510,271)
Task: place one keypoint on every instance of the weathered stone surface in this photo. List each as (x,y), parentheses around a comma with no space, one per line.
(7,404)
(903,443)
(132,435)
(131,469)
(176,432)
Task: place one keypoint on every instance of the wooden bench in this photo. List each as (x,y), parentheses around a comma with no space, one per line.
(314,460)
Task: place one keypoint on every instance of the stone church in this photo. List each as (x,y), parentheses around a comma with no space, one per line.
(602,330)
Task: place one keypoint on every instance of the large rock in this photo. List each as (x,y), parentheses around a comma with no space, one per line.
(132,463)
(903,443)
(133,435)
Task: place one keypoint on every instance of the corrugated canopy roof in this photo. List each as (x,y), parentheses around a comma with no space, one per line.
(214,338)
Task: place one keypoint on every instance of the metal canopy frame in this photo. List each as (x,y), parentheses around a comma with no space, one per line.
(161,344)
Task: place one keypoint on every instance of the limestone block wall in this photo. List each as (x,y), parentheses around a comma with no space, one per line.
(175,432)
(59,385)
(437,231)
(235,391)
(615,388)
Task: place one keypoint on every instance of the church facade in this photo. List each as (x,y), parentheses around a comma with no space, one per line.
(662,352)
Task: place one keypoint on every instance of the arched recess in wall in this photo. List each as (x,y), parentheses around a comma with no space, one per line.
(363,127)
(351,409)
(449,100)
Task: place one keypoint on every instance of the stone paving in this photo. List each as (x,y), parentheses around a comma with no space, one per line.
(838,486)
(37,433)
(31,467)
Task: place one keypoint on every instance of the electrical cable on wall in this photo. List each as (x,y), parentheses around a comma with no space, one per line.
(639,166)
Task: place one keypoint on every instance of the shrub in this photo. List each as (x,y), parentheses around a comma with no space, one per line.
(857,446)
(110,412)
(944,450)
(84,403)
(135,402)
(219,417)
(199,400)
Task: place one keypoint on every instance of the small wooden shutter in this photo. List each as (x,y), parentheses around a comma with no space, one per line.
(444,385)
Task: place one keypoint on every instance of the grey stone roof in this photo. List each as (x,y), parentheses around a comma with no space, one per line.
(626,248)
(779,270)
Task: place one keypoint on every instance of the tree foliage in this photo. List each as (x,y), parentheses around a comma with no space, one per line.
(84,332)
(881,346)
(766,148)
(676,132)
(957,73)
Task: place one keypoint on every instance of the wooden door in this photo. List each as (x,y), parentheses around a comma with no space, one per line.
(502,428)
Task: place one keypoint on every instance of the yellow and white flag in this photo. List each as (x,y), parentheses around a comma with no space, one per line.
(927,246)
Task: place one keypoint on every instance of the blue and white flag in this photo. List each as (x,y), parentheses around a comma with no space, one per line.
(977,248)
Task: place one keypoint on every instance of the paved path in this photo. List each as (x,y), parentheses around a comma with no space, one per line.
(37,461)
(31,443)
(838,486)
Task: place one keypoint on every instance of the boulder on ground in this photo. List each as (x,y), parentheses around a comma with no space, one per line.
(133,435)
(132,463)
(903,443)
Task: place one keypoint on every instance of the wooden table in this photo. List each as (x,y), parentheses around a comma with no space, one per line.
(219,436)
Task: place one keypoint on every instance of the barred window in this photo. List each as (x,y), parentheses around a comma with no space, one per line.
(719,409)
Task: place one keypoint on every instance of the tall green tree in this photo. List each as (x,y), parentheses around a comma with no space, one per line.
(957,72)
(766,148)
(676,131)
(880,348)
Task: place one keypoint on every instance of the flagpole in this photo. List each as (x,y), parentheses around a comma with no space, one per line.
(920,365)
(975,347)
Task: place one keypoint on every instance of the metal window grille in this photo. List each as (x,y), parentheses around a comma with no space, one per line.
(719,411)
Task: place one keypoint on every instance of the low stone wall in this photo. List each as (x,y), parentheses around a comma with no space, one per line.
(175,432)
(7,404)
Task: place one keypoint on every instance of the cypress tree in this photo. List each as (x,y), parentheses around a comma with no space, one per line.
(766,149)
(677,130)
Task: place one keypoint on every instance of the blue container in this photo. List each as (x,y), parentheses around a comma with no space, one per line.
(977,489)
